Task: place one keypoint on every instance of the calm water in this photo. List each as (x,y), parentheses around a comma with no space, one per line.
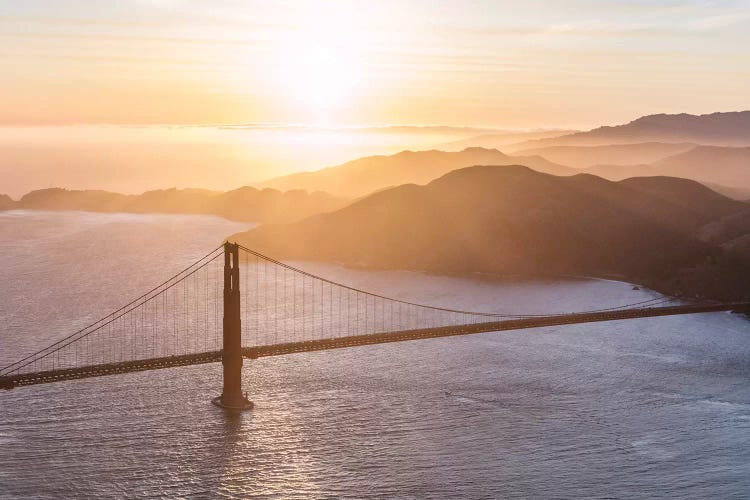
(652,408)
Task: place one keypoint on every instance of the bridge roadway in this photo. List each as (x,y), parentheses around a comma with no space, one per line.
(11,381)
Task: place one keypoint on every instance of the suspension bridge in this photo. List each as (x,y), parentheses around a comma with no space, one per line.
(236,303)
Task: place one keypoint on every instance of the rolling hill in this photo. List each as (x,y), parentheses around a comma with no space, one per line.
(728,166)
(613,154)
(244,204)
(513,220)
(6,202)
(726,169)
(373,173)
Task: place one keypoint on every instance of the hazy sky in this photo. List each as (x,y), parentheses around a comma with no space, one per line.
(495,63)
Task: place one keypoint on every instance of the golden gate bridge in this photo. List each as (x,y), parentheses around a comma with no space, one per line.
(236,303)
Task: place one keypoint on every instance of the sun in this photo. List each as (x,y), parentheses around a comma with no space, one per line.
(319,70)
(320,76)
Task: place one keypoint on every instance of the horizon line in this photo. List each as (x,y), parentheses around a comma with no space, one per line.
(347,127)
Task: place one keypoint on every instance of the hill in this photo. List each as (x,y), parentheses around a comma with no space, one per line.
(728,168)
(6,202)
(513,220)
(718,129)
(613,154)
(734,192)
(619,172)
(367,175)
(244,204)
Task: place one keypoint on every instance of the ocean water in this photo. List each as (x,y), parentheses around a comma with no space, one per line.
(648,408)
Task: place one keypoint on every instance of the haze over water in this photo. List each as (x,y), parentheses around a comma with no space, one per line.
(133,159)
(649,408)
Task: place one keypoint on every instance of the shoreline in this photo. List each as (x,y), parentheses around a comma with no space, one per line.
(119,212)
(665,290)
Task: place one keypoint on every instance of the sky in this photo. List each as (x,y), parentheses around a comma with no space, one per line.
(508,64)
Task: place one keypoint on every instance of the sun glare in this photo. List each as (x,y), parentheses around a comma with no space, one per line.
(320,70)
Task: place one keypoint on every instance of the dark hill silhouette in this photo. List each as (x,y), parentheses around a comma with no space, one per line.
(719,129)
(244,204)
(513,220)
(367,175)
(612,154)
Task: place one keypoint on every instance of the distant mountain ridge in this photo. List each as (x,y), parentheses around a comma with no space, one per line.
(712,165)
(243,204)
(718,129)
(611,154)
(373,173)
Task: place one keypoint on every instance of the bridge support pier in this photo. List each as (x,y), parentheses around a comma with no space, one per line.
(232,397)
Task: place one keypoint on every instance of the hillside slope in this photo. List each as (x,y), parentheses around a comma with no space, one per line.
(513,220)
(6,202)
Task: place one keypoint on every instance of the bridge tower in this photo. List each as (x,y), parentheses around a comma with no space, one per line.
(231,353)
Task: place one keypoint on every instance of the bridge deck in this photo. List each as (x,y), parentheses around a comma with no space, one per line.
(9,382)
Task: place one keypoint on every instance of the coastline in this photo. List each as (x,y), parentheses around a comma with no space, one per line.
(668,287)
